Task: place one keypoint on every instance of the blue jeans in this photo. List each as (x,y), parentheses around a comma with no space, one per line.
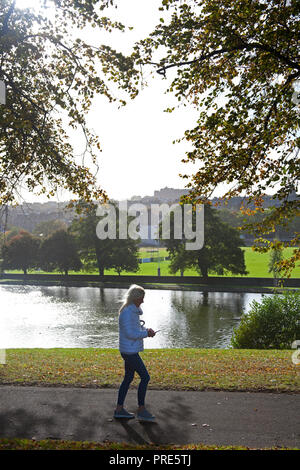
(133,363)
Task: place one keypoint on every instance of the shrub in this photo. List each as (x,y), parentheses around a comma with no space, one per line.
(272,324)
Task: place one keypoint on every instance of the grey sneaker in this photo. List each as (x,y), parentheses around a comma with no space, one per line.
(144,415)
(123,414)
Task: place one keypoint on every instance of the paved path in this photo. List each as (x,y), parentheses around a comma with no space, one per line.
(255,420)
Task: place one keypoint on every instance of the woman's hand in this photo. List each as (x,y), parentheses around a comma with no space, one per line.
(151,332)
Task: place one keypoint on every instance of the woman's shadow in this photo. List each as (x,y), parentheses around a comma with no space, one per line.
(153,432)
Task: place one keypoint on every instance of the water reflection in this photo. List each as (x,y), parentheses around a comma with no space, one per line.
(195,319)
(47,317)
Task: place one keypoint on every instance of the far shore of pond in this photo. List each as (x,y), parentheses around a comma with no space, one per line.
(162,286)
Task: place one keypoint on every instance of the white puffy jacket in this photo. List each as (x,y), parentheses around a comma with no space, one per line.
(131,332)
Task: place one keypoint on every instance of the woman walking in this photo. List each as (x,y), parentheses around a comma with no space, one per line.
(131,342)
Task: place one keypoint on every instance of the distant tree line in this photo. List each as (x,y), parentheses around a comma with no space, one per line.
(53,246)
(236,219)
(33,220)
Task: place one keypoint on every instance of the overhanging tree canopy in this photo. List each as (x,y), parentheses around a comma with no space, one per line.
(236,61)
(51,77)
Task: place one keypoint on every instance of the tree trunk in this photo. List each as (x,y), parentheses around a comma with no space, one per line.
(100,268)
(204,270)
(99,264)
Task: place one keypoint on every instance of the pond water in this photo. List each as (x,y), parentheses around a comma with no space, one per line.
(70,317)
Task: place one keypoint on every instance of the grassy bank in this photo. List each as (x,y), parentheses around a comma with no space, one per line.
(50,444)
(174,369)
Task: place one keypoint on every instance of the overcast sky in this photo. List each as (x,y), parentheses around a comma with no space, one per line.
(137,156)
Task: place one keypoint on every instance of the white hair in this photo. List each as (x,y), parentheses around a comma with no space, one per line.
(134,292)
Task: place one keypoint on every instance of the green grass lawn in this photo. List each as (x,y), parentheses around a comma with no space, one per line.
(174,369)
(256,265)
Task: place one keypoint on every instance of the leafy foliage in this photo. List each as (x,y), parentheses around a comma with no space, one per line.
(51,77)
(47,227)
(21,252)
(92,252)
(275,258)
(58,251)
(221,251)
(236,62)
(272,324)
(117,254)
(124,255)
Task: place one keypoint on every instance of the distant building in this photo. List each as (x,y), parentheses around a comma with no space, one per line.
(170,194)
(163,196)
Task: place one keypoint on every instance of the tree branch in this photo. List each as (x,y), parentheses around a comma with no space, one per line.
(247,46)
